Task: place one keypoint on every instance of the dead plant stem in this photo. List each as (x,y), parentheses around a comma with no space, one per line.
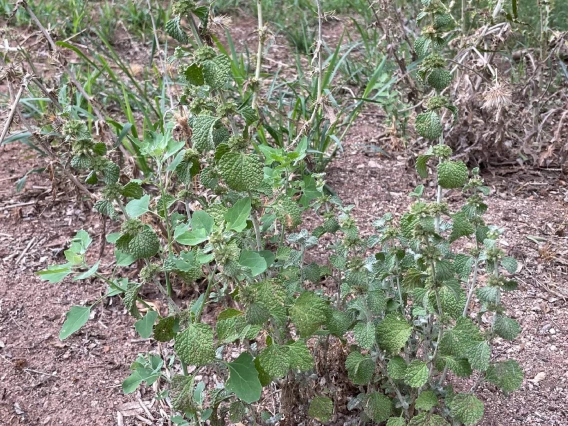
(319,75)
(261,37)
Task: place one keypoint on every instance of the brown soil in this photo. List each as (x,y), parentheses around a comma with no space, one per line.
(78,382)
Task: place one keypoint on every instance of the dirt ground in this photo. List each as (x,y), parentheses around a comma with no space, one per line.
(78,382)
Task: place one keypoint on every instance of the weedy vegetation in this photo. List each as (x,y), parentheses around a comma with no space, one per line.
(205,167)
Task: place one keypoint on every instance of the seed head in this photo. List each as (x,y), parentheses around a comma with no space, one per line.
(497,98)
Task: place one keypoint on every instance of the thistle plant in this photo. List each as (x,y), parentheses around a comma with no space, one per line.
(222,212)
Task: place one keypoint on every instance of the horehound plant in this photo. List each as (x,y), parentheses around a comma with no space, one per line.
(224,217)
(427,308)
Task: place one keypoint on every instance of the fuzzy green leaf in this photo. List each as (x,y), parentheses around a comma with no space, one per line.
(377,301)
(393,333)
(111,172)
(396,421)
(194,75)
(237,411)
(249,114)
(396,368)
(217,71)
(463,265)
(165,330)
(426,400)
(202,137)
(243,379)
(145,244)
(300,356)
(452,174)
(466,408)
(439,79)
(490,295)
(308,313)
(220,136)
(458,341)
(507,375)
(505,327)
(428,419)
(181,393)
(444,270)
(132,190)
(321,409)
(479,355)
(194,345)
(275,361)
(241,172)
(416,374)
(288,211)
(461,227)
(360,368)
(338,322)
(510,264)
(378,407)
(130,296)
(209,177)
(452,304)
(428,125)
(422,165)
(106,208)
(227,323)
(272,296)
(422,45)
(174,30)
(364,333)
(460,367)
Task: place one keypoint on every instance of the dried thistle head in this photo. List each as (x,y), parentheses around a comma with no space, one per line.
(222,22)
(497,98)
(182,129)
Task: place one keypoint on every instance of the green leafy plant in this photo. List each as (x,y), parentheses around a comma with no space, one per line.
(220,209)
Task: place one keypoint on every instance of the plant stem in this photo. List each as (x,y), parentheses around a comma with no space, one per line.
(401,399)
(210,277)
(439,194)
(261,36)
(319,73)
(183,367)
(440,330)
(471,288)
(256,227)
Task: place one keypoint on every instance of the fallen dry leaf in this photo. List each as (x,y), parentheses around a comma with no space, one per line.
(538,378)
